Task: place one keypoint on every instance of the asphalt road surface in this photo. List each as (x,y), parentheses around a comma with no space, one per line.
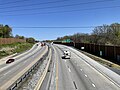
(10,70)
(65,74)
(76,74)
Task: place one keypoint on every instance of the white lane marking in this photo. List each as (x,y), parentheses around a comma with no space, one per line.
(25,61)
(81,69)
(93,85)
(7,72)
(69,69)
(85,75)
(65,60)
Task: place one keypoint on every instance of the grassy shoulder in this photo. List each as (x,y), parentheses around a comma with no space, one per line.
(9,49)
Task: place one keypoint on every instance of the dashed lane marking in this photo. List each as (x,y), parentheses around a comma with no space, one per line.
(93,85)
(85,75)
(69,69)
(7,72)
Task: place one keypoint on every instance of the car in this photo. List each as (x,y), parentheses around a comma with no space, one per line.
(10,60)
(66,54)
(37,44)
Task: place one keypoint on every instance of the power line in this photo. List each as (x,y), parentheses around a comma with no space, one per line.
(69,5)
(65,11)
(56,27)
(13,2)
(51,2)
(62,27)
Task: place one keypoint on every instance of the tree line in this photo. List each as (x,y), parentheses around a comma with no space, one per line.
(105,34)
(6,32)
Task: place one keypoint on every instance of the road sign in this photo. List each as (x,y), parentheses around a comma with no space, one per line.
(67,41)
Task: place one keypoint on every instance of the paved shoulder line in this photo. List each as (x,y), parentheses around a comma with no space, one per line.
(44,73)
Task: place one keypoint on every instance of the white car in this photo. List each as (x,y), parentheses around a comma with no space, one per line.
(66,54)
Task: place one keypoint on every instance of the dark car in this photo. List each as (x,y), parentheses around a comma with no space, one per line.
(10,61)
(37,44)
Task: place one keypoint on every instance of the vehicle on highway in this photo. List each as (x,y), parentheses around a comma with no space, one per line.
(43,44)
(10,60)
(51,43)
(66,54)
(37,44)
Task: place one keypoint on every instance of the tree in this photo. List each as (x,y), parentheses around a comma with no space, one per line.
(19,37)
(105,34)
(5,31)
(30,40)
(115,29)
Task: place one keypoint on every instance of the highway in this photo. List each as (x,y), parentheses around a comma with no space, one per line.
(21,55)
(76,74)
(21,61)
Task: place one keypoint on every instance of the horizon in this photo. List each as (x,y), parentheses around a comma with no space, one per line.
(57,13)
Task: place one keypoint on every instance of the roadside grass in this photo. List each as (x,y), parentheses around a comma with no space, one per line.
(14,48)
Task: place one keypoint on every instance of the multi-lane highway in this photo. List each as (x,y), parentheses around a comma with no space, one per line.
(8,71)
(77,74)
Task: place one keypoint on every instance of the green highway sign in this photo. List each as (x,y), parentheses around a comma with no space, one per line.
(67,41)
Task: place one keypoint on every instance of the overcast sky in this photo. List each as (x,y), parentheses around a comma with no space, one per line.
(57,13)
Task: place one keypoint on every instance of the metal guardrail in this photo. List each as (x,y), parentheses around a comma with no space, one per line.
(14,82)
(39,84)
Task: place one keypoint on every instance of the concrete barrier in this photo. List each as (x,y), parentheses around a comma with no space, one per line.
(44,73)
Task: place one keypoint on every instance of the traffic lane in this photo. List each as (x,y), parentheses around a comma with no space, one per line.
(18,57)
(16,69)
(63,77)
(17,62)
(79,81)
(21,62)
(82,82)
(93,76)
(11,72)
(21,58)
(34,48)
(96,78)
(112,76)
